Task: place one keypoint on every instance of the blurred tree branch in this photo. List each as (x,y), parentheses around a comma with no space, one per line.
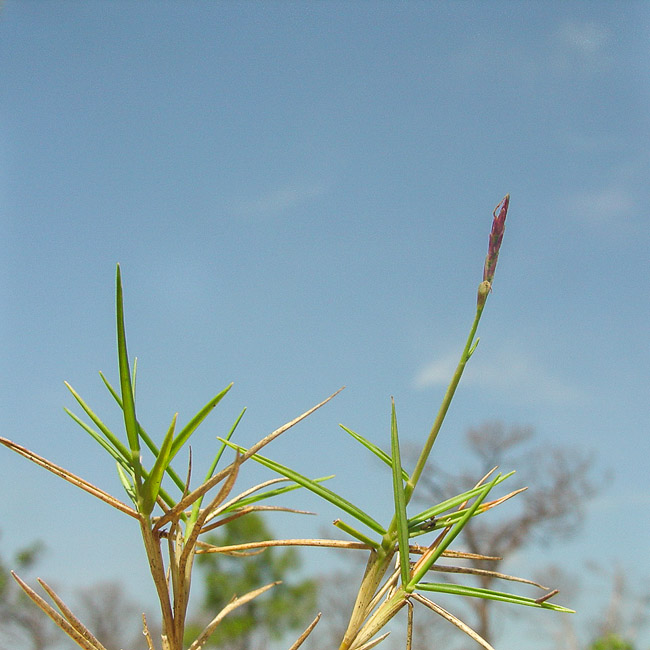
(559,484)
(22,623)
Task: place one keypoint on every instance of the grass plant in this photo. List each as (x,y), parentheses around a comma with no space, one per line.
(173,515)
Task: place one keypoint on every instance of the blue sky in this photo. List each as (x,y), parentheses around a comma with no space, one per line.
(299,195)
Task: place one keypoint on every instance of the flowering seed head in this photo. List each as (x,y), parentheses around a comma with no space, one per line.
(496,237)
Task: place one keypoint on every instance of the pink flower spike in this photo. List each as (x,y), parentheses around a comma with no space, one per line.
(496,237)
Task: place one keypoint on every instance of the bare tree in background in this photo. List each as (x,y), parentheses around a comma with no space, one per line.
(109,613)
(111,616)
(21,624)
(552,508)
(626,615)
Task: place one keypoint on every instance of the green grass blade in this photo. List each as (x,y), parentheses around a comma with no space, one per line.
(317,489)
(151,445)
(125,463)
(151,486)
(269,494)
(442,522)
(479,592)
(128,403)
(380,453)
(217,458)
(118,456)
(116,443)
(401,519)
(134,374)
(448,504)
(126,478)
(452,534)
(192,425)
(341,525)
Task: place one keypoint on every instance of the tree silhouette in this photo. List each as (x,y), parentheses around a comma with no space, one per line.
(23,625)
(558,480)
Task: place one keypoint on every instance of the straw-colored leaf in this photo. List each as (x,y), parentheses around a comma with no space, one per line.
(197,504)
(444,568)
(238,503)
(427,560)
(232,605)
(204,547)
(301,639)
(188,499)
(316,488)
(147,633)
(72,619)
(454,620)
(70,477)
(285,427)
(450,503)
(247,510)
(373,642)
(82,637)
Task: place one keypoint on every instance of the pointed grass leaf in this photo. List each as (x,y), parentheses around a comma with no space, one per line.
(378,451)
(272,493)
(151,486)
(127,483)
(401,519)
(490,594)
(217,458)
(119,457)
(341,525)
(197,504)
(428,559)
(193,424)
(116,443)
(151,445)
(316,488)
(450,503)
(128,403)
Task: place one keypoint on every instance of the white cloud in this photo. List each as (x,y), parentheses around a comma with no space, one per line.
(437,373)
(279,200)
(587,38)
(604,205)
(581,46)
(512,371)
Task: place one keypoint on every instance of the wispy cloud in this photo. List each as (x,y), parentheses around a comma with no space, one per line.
(583,45)
(279,200)
(587,38)
(612,203)
(509,370)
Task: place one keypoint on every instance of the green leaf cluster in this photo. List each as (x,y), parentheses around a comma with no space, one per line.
(143,486)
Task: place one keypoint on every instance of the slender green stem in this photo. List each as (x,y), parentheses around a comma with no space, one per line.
(470,346)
